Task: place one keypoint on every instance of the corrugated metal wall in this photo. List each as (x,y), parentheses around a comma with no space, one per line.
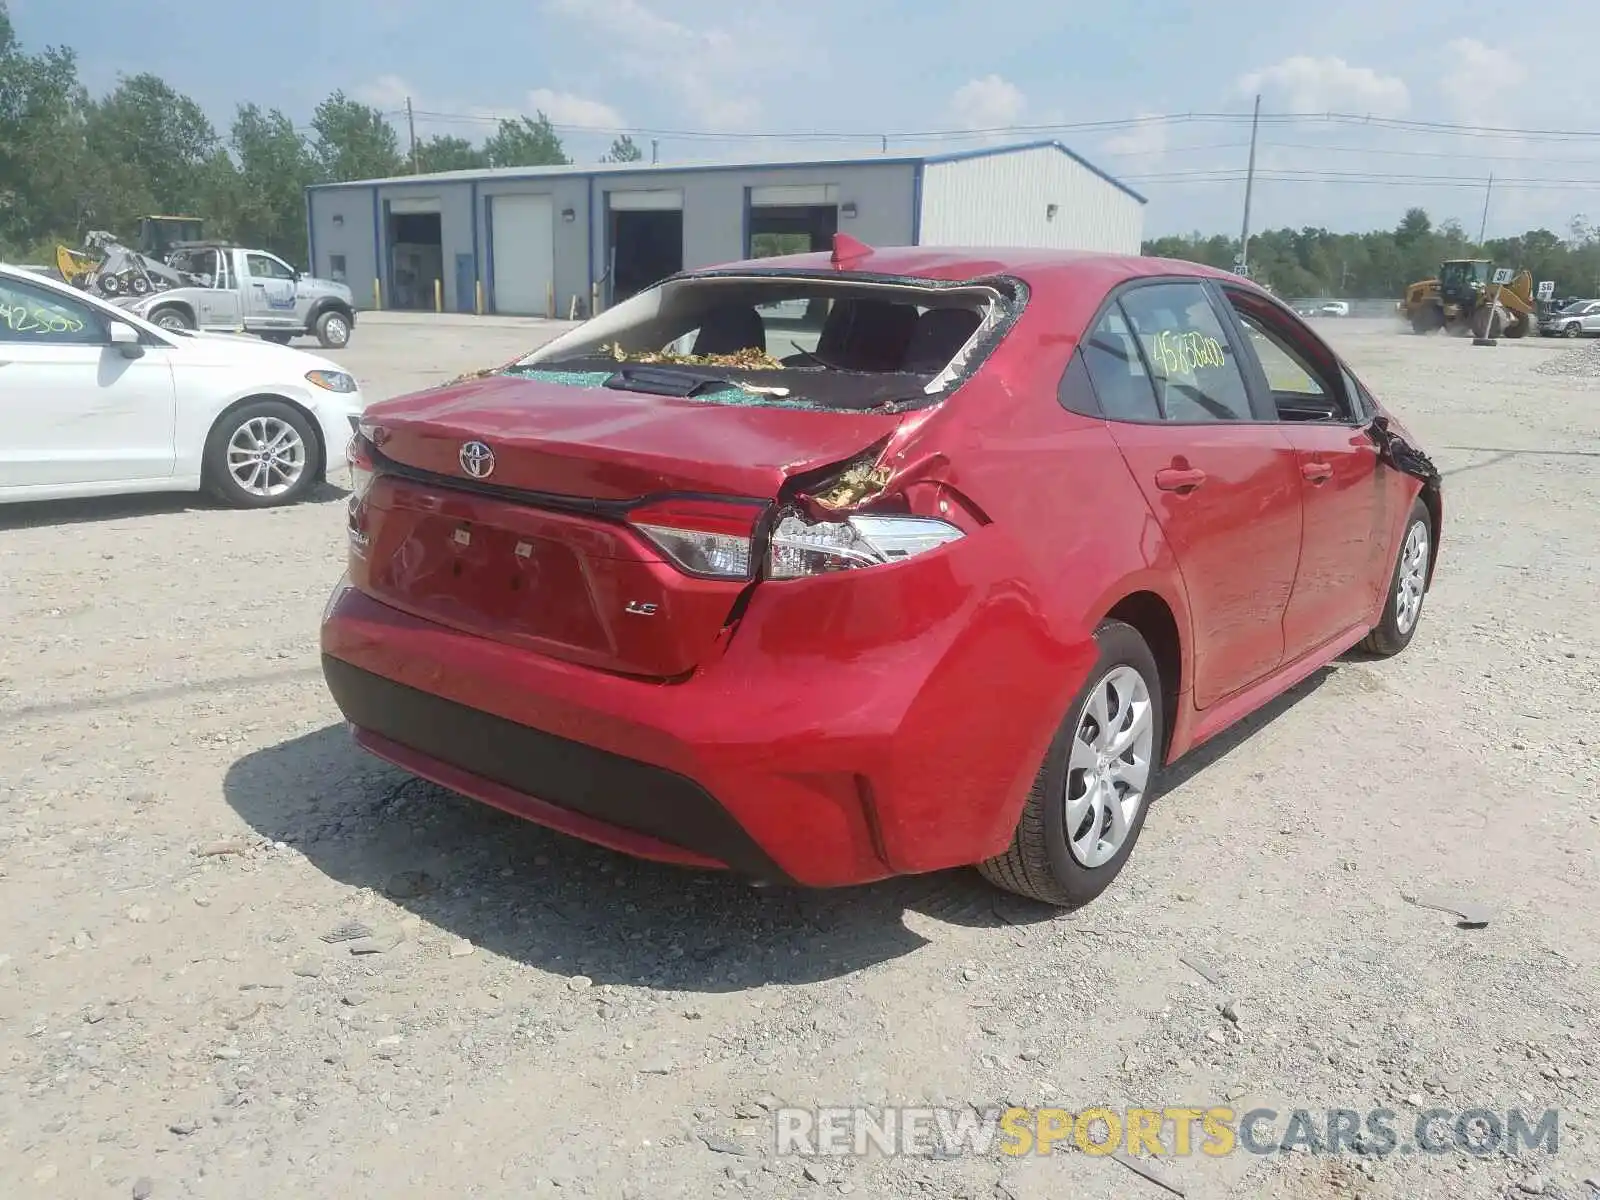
(1004,199)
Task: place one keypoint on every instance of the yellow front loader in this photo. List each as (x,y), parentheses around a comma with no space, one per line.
(1462,301)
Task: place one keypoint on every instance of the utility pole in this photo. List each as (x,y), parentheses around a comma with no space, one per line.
(1249,186)
(411,124)
(655,150)
(1483,226)
(885,149)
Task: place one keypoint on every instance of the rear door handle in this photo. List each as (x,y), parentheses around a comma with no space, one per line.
(1316,472)
(1175,479)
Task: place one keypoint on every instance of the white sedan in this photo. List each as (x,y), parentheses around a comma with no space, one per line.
(95,401)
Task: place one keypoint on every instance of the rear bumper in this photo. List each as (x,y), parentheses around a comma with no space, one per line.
(620,802)
(889,756)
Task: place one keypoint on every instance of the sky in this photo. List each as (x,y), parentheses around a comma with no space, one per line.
(711,79)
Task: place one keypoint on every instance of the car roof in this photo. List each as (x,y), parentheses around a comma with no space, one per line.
(1034,266)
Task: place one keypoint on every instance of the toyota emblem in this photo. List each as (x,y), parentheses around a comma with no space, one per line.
(477,460)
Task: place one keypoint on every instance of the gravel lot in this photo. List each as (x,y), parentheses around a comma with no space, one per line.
(186,835)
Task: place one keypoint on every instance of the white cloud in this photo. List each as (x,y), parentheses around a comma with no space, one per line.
(988,103)
(1304,84)
(1145,143)
(564,108)
(386,92)
(1478,79)
(713,73)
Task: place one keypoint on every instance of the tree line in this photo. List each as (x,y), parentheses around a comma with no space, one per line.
(1316,263)
(71,162)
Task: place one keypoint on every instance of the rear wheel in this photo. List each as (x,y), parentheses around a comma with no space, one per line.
(261,454)
(333,330)
(169,317)
(1426,320)
(1407,585)
(1089,800)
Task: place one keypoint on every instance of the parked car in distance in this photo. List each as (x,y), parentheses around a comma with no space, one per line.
(1580,318)
(948,577)
(96,401)
(1334,308)
(249,291)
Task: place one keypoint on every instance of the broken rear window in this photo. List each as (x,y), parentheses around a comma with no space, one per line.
(787,340)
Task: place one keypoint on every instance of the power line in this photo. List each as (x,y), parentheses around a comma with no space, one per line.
(1436,128)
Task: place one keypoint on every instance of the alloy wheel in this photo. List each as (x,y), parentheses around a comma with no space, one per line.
(266,456)
(1413,577)
(1109,768)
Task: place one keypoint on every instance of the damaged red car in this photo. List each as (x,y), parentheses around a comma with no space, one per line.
(822,569)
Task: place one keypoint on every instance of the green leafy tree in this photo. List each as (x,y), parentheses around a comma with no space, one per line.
(41,144)
(525,142)
(623,151)
(259,199)
(352,140)
(150,149)
(442,153)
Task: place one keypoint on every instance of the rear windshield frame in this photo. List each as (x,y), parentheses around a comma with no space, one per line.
(1007,298)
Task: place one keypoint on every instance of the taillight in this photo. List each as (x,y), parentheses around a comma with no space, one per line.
(362,470)
(358,455)
(800,547)
(709,538)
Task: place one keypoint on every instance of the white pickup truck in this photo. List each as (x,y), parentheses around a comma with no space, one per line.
(248,291)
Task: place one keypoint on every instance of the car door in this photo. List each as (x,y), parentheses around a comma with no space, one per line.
(218,302)
(269,290)
(74,409)
(1222,482)
(1345,497)
(1591,318)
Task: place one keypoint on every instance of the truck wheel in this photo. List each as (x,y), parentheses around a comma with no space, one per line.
(333,330)
(261,454)
(168,317)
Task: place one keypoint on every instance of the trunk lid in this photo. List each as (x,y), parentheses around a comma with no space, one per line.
(538,552)
(592,443)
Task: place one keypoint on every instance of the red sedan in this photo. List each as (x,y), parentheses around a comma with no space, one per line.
(825,569)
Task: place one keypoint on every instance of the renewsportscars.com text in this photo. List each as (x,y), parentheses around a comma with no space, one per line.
(1164,1132)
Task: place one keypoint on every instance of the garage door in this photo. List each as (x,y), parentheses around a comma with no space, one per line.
(524,245)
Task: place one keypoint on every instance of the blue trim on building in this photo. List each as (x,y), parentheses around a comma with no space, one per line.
(992,151)
(488,255)
(589,236)
(916,206)
(709,168)
(311,237)
(477,259)
(882,160)
(377,246)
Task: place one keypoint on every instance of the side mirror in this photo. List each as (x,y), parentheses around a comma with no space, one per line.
(126,339)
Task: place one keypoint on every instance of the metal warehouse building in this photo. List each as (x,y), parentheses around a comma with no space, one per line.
(554,241)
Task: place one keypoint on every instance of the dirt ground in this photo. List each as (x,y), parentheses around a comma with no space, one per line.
(190,845)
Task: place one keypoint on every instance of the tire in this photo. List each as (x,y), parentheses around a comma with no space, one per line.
(244,482)
(1572,330)
(277,339)
(110,285)
(1426,320)
(1394,632)
(1487,323)
(333,330)
(1042,861)
(1518,325)
(170,317)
